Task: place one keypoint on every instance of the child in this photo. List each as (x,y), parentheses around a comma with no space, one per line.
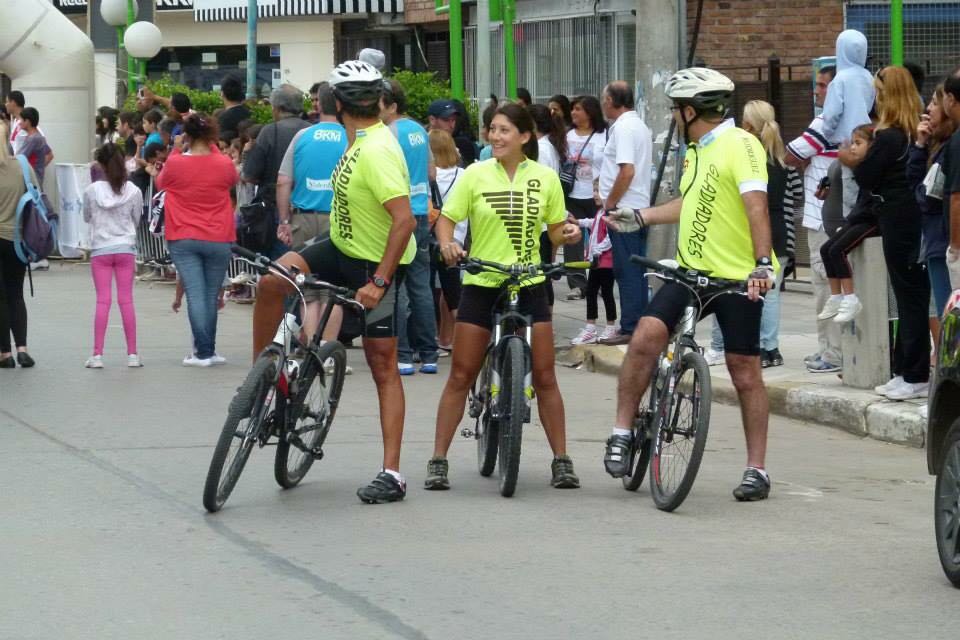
(861,224)
(851,94)
(600,280)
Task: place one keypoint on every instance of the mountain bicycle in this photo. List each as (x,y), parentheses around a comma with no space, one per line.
(672,421)
(291,393)
(499,401)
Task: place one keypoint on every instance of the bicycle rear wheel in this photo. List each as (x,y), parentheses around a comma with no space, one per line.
(247,416)
(311,413)
(682,434)
(512,399)
(642,440)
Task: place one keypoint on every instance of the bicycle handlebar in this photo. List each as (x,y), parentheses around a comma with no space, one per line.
(263,265)
(690,276)
(521,271)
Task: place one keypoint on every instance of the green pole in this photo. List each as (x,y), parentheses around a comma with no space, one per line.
(251,49)
(896,32)
(131,61)
(509,56)
(456,49)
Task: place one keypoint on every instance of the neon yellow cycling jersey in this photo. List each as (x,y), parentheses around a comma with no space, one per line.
(506,217)
(371,172)
(714,234)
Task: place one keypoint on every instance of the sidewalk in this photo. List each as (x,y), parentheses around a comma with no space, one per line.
(794,392)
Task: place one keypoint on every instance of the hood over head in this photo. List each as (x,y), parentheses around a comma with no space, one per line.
(851,49)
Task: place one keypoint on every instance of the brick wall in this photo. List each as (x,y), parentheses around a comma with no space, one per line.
(747,32)
(421,11)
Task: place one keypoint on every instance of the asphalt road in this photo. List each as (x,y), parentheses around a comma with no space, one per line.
(104,535)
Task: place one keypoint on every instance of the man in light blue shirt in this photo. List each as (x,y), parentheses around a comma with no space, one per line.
(417,324)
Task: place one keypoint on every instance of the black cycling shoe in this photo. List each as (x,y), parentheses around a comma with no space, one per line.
(24,359)
(617,457)
(383,488)
(754,486)
(563,475)
(437,480)
(771,358)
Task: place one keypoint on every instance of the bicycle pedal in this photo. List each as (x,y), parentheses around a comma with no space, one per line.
(467,433)
(317,453)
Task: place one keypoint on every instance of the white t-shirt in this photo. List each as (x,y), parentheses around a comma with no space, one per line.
(590,161)
(446,183)
(548,154)
(629,141)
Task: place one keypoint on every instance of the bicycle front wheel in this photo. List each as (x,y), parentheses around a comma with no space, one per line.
(488,429)
(247,416)
(681,434)
(320,384)
(513,404)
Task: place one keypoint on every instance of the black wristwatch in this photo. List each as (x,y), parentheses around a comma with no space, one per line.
(379,281)
(764,261)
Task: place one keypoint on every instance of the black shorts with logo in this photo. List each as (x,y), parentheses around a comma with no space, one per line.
(737,315)
(328,263)
(477,304)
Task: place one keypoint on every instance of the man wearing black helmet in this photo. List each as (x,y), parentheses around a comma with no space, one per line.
(371,227)
(725,232)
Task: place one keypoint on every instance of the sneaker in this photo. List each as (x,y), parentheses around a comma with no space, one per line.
(586,336)
(617,338)
(848,310)
(563,475)
(754,486)
(406,368)
(576,294)
(714,357)
(437,480)
(771,358)
(609,332)
(616,458)
(383,488)
(822,366)
(444,351)
(429,367)
(328,365)
(40,265)
(94,362)
(830,308)
(194,361)
(891,384)
(133,361)
(217,359)
(907,390)
(813,357)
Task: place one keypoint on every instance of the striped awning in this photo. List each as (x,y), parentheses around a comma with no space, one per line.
(231,10)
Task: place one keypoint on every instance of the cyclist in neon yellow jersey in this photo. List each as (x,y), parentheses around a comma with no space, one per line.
(507,199)
(725,233)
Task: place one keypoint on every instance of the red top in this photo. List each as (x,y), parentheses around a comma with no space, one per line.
(197,205)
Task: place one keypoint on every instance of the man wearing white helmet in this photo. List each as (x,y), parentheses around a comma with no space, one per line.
(724,232)
(371,227)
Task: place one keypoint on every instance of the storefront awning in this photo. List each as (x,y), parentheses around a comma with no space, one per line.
(228,10)
(80,6)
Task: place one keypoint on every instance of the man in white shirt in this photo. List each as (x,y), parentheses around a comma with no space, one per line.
(625,182)
(814,154)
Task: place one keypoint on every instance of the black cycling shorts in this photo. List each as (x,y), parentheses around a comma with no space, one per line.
(328,263)
(737,315)
(477,304)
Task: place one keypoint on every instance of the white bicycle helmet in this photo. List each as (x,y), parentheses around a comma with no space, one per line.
(702,88)
(356,82)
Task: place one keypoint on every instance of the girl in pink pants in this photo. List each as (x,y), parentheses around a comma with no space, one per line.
(112,207)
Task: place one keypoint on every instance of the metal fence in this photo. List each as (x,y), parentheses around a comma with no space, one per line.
(931,34)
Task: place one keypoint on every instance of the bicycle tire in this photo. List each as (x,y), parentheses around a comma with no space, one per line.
(642,442)
(318,395)
(249,403)
(489,429)
(946,506)
(513,375)
(664,468)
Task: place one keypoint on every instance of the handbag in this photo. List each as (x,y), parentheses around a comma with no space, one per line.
(568,170)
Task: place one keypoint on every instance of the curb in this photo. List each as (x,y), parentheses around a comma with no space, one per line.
(853,410)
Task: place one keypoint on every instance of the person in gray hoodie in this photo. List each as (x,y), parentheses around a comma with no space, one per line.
(112,207)
(851,95)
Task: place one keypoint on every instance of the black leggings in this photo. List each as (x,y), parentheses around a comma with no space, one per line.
(13,310)
(835,250)
(601,281)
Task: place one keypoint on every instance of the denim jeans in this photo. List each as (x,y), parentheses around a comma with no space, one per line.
(201,266)
(939,282)
(417,325)
(769,323)
(630,281)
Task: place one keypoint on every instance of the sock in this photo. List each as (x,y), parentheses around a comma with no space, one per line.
(838,297)
(763,472)
(396,475)
(851,297)
(617,431)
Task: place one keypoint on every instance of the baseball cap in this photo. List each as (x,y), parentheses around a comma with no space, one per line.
(374,57)
(442,109)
